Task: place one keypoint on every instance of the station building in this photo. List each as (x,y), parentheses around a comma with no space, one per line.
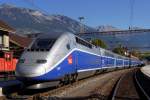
(10,41)
(11,47)
(4,36)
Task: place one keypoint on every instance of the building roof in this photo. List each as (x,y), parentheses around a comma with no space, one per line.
(20,40)
(6,27)
(14,38)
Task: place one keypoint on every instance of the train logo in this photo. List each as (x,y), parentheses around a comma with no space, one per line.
(70,59)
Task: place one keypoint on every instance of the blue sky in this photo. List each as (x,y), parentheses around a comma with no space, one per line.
(96,12)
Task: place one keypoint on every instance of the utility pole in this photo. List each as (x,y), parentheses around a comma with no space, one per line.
(131,17)
(81,24)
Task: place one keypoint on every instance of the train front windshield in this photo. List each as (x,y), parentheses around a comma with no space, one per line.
(43,44)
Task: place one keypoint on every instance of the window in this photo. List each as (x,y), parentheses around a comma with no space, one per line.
(1,54)
(43,44)
(8,56)
(68,46)
(108,53)
(82,42)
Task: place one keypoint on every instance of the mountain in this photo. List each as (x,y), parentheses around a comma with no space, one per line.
(135,28)
(27,21)
(106,28)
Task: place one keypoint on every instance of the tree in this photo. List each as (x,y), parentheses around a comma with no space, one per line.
(120,50)
(135,53)
(99,43)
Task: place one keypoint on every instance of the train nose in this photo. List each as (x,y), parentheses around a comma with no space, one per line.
(30,71)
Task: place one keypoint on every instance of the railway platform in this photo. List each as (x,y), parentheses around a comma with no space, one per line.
(146,70)
(143,80)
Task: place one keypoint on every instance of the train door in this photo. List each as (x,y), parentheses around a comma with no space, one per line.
(8,61)
(76,61)
(75,57)
(72,57)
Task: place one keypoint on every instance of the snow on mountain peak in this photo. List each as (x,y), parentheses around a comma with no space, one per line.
(36,13)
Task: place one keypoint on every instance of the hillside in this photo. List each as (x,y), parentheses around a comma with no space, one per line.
(26,21)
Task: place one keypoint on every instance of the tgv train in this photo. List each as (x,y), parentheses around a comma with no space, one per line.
(63,58)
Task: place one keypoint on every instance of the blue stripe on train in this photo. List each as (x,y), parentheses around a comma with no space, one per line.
(108,62)
(119,62)
(85,61)
(81,61)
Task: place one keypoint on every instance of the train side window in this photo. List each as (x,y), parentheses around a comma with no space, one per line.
(68,46)
(82,42)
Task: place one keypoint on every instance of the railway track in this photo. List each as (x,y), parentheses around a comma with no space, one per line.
(125,88)
(117,85)
(51,93)
(79,89)
(58,93)
(143,82)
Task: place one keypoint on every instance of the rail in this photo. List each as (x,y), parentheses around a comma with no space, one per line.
(125,88)
(140,87)
(117,87)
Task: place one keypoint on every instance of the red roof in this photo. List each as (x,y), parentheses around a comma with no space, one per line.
(20,40)
(6,27)
(14,38)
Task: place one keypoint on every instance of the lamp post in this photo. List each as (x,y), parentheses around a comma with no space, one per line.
(81,24)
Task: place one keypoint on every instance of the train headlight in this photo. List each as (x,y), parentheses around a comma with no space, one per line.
(41,61)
